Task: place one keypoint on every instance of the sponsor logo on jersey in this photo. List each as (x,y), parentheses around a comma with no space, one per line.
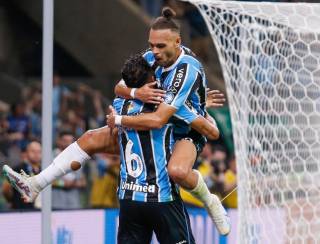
(136,187)
(178,80)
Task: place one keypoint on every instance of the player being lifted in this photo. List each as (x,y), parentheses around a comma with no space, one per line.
(182,76)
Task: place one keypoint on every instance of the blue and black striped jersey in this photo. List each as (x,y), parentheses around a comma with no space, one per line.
(144,156)
(185,83)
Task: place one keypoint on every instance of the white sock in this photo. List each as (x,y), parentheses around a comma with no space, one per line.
(201,191)
(61,165)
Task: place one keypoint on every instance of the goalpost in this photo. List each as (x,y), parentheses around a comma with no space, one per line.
(270,58)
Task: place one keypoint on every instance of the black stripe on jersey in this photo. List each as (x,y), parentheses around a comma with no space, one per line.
(189,52)
(164,76)
(178,79)
(125,107)
(174,191)
(202,93)
(167,143)
(146,146)
(200,90)
(148,108)
(127,193)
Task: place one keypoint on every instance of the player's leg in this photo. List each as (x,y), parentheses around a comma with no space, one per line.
(93,141)
(101,140)
(181,162)
(180,171)
(133,225)
(172,223)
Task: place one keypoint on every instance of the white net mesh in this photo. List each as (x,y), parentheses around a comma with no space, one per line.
(270,56)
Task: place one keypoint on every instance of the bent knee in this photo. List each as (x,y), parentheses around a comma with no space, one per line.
(89,135)
(178,173)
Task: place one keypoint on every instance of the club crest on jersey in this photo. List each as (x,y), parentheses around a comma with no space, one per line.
(169,97)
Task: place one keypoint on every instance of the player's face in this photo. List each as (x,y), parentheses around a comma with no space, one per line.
(165,45)
(34,153)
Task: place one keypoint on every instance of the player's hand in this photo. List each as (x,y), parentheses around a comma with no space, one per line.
(149,94)
(110,118)
(215,99)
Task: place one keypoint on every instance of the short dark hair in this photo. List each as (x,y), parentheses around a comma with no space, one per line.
(165,21)
(136,71)
(26,146)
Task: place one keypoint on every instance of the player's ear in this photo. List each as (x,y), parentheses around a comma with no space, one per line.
(178,41)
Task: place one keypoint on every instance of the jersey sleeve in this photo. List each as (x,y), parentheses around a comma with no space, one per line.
(186,114)
(180,85)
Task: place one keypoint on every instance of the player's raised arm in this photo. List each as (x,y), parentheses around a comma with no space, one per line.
(148,121)
(160,117)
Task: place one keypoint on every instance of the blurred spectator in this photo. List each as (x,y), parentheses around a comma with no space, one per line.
(230,182)
(104,188)
(18,125)
(215,180)
(33,97)
(67,190)
(206,153)
(59,101)
(18,132)
(30,164)
(73,122)
(3,133)
(99,118)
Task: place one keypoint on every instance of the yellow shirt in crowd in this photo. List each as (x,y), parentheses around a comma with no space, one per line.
(232,200)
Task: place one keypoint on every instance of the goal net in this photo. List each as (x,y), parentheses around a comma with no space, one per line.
(270,58)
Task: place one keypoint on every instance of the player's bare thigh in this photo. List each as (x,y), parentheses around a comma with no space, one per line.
(101,140)
(182,159)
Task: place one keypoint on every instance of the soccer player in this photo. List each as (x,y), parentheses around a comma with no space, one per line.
(182,76)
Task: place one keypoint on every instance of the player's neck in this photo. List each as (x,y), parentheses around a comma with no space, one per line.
(178,53)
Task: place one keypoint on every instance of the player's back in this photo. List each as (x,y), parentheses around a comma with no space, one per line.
(144,157)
